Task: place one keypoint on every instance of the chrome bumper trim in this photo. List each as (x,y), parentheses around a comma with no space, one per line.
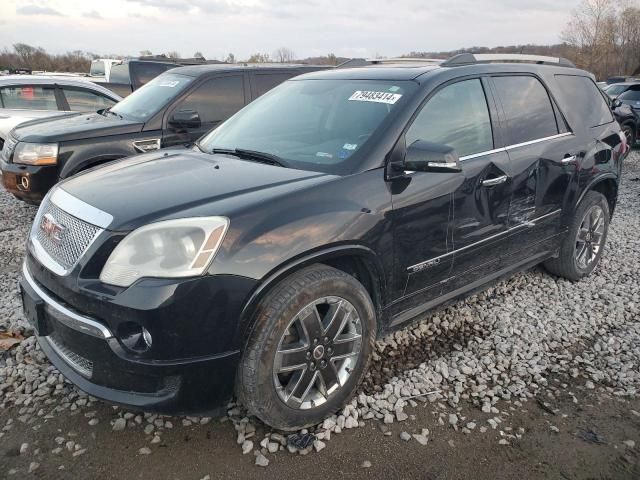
(64,315)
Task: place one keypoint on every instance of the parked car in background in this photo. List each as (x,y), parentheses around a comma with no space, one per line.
(26,97)
(175,108)
(616,89)
(631,97)
(268,258)
(130,75)
(629,120)
(101,68)
(124,77)
(621,79)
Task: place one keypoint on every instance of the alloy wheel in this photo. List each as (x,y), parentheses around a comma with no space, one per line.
(317,352)
(590,237)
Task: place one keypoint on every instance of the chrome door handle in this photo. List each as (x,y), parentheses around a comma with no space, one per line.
(569,160)
(490,182)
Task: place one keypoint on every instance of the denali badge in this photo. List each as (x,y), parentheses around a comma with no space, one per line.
(52,229)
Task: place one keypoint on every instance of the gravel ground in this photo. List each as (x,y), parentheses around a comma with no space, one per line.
(486,357)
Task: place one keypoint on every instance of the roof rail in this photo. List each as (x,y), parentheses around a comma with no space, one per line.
(404,60)
(471,58)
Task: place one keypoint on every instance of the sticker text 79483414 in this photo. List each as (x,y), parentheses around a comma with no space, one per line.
(377,97)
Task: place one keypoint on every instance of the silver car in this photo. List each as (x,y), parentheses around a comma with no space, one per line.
(26,97)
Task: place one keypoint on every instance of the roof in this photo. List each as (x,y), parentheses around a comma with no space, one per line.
(69,81)
(196,70)
(383,71)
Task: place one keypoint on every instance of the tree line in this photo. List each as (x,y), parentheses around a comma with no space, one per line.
(602,36)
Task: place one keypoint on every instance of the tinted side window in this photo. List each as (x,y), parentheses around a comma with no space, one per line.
(457,116)
(217,99)
(582,101)
(145,72)
(29,98)
(527,108)
(86,101)
(263,82)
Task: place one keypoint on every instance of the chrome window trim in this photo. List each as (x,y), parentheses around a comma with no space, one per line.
(515,145)
(67,317)
(418,266)
(80,209)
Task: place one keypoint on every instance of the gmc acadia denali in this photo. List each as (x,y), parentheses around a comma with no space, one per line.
(267,259)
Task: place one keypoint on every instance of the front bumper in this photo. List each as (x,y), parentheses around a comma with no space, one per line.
(87,352)
(28,182)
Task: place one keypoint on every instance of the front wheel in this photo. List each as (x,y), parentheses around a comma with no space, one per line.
(309,349)
(582,248)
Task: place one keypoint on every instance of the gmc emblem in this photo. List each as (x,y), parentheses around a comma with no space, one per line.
(52,229)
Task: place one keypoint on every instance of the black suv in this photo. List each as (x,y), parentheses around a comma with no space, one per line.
(175,108)
(268,258)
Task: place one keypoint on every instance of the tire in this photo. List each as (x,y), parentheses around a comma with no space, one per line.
(630,133)
(267,387)
(579,255)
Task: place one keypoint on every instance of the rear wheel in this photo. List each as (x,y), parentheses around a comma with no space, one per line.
(582,248)
(309,349)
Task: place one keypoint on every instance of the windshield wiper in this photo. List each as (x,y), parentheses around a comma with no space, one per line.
(254,155)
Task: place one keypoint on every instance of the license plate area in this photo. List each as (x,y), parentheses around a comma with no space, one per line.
(34,309)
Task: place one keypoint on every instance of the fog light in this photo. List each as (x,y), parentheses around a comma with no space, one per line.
(24,182)
(134,336)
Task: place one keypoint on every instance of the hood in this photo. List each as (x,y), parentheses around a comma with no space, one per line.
(10,118)
(76,126)
(177,183)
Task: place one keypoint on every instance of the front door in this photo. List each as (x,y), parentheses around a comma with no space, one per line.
(441,219)
(214,100)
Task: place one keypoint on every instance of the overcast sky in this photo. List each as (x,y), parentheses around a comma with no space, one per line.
(308,27)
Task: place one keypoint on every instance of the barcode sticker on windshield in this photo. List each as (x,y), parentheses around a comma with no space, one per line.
(377,97)
(168,83)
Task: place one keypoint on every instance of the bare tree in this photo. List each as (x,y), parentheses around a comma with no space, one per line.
(198,55)
(259,58)
(173,54)
(284,55)
(146,53)
(231,58)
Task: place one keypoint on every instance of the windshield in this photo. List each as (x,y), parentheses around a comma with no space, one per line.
(615,90)
(149,99)
(318,125)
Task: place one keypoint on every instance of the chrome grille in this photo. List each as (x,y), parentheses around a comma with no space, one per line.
(67,246)
(7,149)
(80,364)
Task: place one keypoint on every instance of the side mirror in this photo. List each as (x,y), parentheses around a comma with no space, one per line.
(424,156)
(615,103)
(185,119)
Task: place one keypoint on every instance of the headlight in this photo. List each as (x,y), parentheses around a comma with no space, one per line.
(168,249)
(36,153)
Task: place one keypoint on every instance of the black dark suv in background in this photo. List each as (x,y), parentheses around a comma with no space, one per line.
(267,259)
(175,108)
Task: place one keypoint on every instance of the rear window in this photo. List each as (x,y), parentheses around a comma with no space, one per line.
(582,101)
(527,108)
(28,98)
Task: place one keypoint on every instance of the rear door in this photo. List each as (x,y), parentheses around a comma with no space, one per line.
(214,100)
(544,154)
